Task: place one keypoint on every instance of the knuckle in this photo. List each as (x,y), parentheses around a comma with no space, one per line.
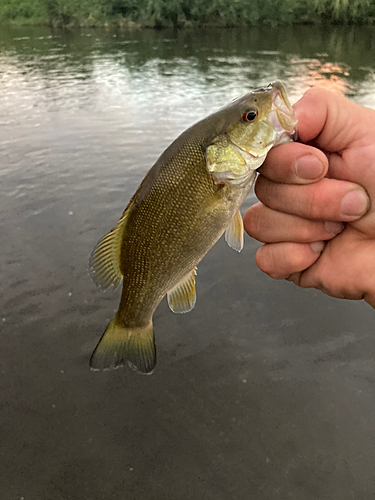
(307,232)
(265,190)
(251,221)
(312,204)
(271,261)
(278,260)
(262,259)
(259,186)
(302,259)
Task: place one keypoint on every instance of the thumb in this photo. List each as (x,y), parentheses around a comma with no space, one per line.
(330,121)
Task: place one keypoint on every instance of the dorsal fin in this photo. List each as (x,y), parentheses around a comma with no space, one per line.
(234,233)
(104,264)
(105,258)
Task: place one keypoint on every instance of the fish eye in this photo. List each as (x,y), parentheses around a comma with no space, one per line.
(250,115)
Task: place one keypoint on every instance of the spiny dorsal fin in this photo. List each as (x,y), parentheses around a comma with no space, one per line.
(182,297)
(105,258)
(234,233)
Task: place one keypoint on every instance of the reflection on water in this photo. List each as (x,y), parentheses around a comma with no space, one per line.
(83,116)
(102,69)
(324,74)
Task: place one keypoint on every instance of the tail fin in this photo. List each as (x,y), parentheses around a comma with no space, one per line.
(119,344)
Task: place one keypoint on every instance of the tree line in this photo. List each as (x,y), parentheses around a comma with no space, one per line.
(185,13)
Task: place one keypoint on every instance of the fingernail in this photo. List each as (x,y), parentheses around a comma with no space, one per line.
(308,167)
(318,246)
(354,203)
(333,227)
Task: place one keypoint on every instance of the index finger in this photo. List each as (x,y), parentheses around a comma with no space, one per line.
(295,163)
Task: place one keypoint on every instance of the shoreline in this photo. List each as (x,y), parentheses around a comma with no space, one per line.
(127,24)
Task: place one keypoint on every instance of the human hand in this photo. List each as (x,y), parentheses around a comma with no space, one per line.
(316,214)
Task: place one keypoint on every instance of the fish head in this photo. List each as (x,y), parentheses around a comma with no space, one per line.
(250,126)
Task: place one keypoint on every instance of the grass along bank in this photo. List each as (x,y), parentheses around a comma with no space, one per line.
(185,13)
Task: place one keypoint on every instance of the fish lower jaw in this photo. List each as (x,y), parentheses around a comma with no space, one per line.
(283,124)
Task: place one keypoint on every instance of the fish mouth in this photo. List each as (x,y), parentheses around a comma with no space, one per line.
(284,123)
(278,89)
(282,116)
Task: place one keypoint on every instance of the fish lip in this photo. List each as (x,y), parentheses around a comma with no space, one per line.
(279,89)
(284,110)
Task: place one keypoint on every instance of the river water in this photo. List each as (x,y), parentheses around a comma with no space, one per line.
(263,391)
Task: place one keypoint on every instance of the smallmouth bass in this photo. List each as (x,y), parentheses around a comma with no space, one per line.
(189,198)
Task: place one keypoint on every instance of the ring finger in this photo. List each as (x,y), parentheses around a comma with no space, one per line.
(280,260)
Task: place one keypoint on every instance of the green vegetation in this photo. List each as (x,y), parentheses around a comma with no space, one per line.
(177,13)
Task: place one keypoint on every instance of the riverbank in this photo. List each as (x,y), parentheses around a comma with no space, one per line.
(183,13)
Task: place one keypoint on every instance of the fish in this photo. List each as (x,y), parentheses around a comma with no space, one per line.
(187,200)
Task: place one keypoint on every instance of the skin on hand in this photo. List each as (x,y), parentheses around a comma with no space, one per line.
(316,213)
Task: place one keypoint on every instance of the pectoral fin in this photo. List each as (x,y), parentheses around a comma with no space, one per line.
(182,297)
(105,259)
(234,233)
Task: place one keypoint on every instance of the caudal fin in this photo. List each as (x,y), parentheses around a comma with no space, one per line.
(119,345)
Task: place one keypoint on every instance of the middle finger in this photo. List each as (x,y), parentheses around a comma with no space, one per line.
(271,226)
(327,199)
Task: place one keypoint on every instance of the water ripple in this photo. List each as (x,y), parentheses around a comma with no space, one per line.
(84,115)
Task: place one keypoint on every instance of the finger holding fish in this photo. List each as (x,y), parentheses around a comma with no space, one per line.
(272,226)
(327,199)
(295,163)
(280,260)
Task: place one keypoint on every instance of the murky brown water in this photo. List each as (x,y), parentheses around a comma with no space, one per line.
(263,391)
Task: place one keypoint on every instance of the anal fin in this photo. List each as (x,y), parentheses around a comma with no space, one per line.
(234,233)
(182,297)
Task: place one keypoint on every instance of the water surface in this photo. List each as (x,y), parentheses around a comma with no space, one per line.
(263,391)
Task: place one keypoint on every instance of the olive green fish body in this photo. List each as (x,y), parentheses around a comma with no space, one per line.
(175,218)
(185,203)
